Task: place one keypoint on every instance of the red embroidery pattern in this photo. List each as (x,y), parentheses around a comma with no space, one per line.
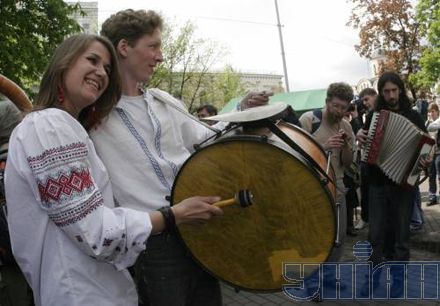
(70,215)
(55,188)
(55,156)
(65,184)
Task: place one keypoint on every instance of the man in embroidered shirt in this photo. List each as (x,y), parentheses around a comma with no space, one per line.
(144,143)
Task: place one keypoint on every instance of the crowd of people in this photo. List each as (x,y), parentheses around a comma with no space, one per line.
(390,210)
(96,221)
(90,170)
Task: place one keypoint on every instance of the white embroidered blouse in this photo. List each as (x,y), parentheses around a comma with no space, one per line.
(70,241)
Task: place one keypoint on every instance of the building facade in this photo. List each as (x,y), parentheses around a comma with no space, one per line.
(261,81)
(377,60)
(88,22)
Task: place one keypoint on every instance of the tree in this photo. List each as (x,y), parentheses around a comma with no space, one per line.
(186,70)
(428,16)
(225,86)
(30,30)
(389,26)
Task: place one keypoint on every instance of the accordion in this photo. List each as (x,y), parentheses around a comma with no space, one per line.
(396,146)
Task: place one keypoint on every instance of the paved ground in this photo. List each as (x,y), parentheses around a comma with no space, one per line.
(425,246)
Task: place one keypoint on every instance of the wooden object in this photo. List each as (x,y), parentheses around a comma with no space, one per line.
(14,93)
(242,198)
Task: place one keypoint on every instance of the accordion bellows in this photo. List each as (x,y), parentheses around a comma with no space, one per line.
(396,145)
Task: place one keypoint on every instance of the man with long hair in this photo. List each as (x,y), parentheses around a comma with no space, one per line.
(390,204)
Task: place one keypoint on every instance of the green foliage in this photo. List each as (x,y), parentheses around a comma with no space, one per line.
(225,86)
(186,72)
(429,73)
(428,16)
(30,30)
(389,26)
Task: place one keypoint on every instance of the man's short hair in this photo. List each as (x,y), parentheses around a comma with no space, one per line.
(131,25)
(10,117)
(367,92)
(340,90)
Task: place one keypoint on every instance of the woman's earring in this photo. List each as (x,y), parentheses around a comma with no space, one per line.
(93,119)
(60,95)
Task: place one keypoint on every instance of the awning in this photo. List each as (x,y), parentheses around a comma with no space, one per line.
(300,101)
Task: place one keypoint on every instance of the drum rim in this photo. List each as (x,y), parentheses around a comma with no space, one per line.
(307,134)
(262,139)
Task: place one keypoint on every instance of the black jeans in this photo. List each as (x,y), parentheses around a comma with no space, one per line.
(390,214)
(364,193)
(166,274)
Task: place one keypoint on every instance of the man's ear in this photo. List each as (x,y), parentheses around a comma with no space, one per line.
(122,48)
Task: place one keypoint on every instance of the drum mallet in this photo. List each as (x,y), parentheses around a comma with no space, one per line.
(242,197)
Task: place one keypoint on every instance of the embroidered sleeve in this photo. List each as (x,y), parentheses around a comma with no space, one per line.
(66,188)
(60,162)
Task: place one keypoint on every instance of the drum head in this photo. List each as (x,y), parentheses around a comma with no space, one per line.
(251,114)
(291,219)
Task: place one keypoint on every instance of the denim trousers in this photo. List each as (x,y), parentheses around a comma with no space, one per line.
(166,274)
(389,218)
(417,212)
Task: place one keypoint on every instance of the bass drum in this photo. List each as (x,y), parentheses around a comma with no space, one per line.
(291,220)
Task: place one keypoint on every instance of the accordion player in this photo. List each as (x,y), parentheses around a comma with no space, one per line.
(396,146)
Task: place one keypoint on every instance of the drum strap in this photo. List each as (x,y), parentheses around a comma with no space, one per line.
(274,129)
(316,121)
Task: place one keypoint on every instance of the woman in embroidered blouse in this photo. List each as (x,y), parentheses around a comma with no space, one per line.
(68,237)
